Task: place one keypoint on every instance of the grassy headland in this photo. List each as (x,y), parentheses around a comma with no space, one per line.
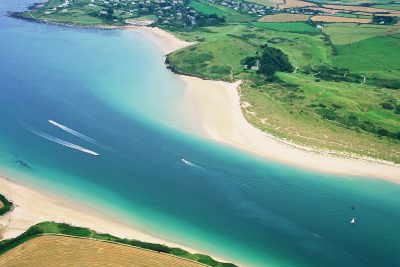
(65,229)
(5,205)
(332,86)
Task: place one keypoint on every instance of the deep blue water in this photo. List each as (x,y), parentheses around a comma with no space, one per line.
(113,87)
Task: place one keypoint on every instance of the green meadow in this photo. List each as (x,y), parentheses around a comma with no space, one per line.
(286,26)
(231,15)
(325,103)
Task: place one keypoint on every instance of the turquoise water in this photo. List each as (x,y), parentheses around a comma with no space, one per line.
(113,87)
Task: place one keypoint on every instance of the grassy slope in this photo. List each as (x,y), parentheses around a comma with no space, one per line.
(79,14)
(354,42)
(61,228)
(7,205)
(293,116)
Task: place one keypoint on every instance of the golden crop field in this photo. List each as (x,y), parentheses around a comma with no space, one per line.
(339,19)
(284,18)
(357,8)
(53,250)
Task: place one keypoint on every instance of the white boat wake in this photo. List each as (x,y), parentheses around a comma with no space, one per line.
(191,164)
(73,132)
(64,143)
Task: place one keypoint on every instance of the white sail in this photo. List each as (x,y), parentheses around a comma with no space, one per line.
(353,221)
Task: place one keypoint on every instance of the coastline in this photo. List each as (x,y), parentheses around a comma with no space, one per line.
(47,207)
(217,105)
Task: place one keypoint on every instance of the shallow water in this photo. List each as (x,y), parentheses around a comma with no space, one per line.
(113,87)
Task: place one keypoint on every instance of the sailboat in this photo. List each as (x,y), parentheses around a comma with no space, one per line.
(353,221)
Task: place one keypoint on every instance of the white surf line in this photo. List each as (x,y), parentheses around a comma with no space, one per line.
(64,143)
(73,132)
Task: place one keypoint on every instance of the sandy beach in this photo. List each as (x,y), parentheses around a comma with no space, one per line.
(217,105)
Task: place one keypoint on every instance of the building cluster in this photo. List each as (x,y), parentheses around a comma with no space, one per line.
(246,8)
(175,13)
(253,9)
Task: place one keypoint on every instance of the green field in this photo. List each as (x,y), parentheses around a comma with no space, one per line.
(229,14)
(323,104)
(380,43)
(390,6)
(286,26)
(65,229)
(351,15)
(206,8)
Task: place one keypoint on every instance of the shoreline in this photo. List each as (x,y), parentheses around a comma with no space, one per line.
(48,207)
(217,105)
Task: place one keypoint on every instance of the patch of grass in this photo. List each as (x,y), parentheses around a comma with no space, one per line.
(390,6)
(372,57)
(324,115)
(287,26)
(205,8)
(346,33)
(245,41)
(61,228)
(229,14)
(5,204)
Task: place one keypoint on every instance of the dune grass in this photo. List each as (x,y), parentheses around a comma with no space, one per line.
(5,205)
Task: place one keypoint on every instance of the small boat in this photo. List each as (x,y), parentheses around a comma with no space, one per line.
(353,221)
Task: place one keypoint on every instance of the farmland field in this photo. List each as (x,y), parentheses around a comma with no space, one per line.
(340,19)
(295,3)
(389,7)
(271,3)
(15,245)
(356,8)
(229,14)
(286,27)
(284,18)
(69,251)
(353,2)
